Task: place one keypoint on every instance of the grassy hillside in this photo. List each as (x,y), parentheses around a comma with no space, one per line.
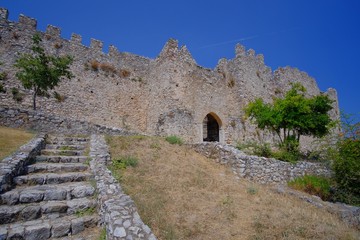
(183,195)
(11,139)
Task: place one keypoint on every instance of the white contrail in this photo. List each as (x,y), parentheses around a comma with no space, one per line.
(227,42)
(248,38)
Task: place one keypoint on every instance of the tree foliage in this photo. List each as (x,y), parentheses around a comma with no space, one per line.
(41,72)
(346,162)
(293,116)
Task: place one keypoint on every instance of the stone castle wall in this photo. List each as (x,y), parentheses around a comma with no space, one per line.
(167,95)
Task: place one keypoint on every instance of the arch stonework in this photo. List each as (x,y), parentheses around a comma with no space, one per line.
(212,128)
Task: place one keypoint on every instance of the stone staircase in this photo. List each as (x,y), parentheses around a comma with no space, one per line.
(56,195)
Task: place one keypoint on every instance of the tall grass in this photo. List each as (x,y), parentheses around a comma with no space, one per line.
(183,195)
(314,185)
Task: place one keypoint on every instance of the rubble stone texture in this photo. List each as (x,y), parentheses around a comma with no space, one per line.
(168,95)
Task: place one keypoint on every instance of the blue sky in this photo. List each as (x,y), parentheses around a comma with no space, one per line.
(319,37)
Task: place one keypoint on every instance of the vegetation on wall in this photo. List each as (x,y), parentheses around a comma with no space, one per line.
(293,116)
(41,72)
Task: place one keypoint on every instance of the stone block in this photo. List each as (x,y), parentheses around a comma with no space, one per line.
(8,214)
(16,233)
(31,196)
(77,225)
(30,213)
(10,198)
(39,231)
(78,205)
(60,229)
(55,194)
(51,207)
(3,233)
(82,191)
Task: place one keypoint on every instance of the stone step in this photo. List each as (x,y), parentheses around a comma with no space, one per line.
(66,147)
(55,167)
(61,140)
(48,228)
(51,178)
(56,152)
(62,159)
(53,192)
(45,210)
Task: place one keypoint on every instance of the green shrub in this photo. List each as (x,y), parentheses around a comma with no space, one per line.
(2,89)
(314,185)
(59,97)
(17,96)
(286,156)
(263,150)
(174,140)
(3,75)
(252,190)
(259,149)
(102,234)
(347,166)
(85,212)
(124,162)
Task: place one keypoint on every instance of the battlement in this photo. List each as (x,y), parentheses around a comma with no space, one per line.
(27,23)
(53,31)
(4,13)
(96,45)
(240,52)
(172,52)
(29,26)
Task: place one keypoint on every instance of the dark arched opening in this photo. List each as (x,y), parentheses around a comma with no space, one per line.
(210,129)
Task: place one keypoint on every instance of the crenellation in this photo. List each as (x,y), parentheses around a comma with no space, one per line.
(27,23)
(113,51)
(53,31)
(76,39)
(4,14)
(239,50)
(251,53)
(96,45)
(186,56)
(170,49)
(260,59)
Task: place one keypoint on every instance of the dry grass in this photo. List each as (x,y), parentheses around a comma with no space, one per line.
(183,195)
(11,139)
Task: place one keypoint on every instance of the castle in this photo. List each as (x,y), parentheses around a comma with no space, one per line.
(168,95)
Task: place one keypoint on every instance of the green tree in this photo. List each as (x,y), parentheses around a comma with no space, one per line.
(293,116)
(41,72)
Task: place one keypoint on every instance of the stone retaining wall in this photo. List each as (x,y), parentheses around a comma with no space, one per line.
(117,210)
(39,121)
(259,169)
(14,164)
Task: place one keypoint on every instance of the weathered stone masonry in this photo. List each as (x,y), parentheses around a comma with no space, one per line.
(259,169)
(170,94)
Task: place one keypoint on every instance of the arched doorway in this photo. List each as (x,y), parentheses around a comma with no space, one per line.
(211,128)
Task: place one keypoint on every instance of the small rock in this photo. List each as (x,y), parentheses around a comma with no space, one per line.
(120,232)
